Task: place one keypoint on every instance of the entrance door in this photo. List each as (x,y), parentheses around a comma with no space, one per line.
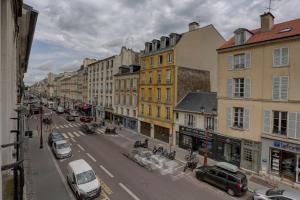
(298,169)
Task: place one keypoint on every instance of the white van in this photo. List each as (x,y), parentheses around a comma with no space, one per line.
(82,179)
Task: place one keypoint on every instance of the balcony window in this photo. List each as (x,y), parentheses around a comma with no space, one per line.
(279,122)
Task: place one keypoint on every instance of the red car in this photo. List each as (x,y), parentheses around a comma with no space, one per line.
(86,119)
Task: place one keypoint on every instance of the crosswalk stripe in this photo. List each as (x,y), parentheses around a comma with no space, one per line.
(70,125)
(61,126)
(75,133)
(81,133)
(66,126)
(98,132)
(65,135)
(70,134)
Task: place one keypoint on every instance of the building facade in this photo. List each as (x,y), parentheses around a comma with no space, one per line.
(126,96)
(171,67)
(258,97)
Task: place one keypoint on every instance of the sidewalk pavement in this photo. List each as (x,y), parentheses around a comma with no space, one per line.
(254,180)
(42,179)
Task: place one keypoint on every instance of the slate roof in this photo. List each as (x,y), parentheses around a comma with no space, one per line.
(193,102)
(275,33)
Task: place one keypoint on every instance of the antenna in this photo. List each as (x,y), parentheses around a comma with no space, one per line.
(198,18)
(270,5)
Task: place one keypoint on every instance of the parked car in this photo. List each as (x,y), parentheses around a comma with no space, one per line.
(67,110)
(88,128)
(51,105)
(74,113)
(47,118)
(274,193)
(60,110)
(82,180)
(61,149)
(86,119)
(225,176)
(70,117)
(54,136)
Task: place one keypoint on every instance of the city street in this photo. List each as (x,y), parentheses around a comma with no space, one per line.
(122,178)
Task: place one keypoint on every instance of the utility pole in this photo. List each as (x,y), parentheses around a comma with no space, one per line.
(41,121)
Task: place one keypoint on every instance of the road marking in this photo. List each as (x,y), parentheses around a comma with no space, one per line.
(129,191)
(65,135)
(73,139)
(106,171)
(80,147)
(106,189)
(81,133)
(70,134)
(91,157)
(99,132)
(66,126)
(75,133)
(70,125)
(61,126)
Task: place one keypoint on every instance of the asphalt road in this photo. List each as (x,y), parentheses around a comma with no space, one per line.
(123,179)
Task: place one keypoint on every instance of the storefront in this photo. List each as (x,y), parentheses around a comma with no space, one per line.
(145,128)
(100,112)
(108,115)
(126,122)
(281,159)
(250,158)
(162,133)
(195,139)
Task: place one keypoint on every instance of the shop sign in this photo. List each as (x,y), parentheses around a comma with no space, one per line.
(193,131)
(286,146)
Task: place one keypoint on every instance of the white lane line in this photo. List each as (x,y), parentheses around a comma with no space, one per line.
(66,126)
(80,147)
(99,132)
(70,134)
(75,133)
(61,126)
(65,135)
(129,191)
(91,157)
(81,133)
(73,139)
(106,171)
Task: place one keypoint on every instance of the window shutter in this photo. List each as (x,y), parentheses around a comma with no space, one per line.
(291,131)
(194,121)
(246,118)
(185,119)
(276,57)
(247,60)
(247,87)
(284,56)
(284,84)
(216,124)
(276,86)
(229,117)
(298,126)
(229,87)
(230,63)
(267,121)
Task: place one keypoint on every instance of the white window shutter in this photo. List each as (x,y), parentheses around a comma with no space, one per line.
(185,119)
(267,121)
(247,87)
(247,60)
(291,131)
(284,56)
(246,119)
(276,87)
(229,117)
(216,124)
(229,87)
(230,63)
(276,57)
(298,126)
(284,85)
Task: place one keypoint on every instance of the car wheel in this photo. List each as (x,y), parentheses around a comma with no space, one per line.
(230,192)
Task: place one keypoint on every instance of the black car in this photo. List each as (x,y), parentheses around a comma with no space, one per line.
(88,128)
(54,136)
(224,176)
(70,117)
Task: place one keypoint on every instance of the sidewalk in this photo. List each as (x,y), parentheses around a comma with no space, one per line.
(254,180)
(42,179)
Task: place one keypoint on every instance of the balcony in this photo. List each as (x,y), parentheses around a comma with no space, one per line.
(168,81)
(158,81)
(149,99)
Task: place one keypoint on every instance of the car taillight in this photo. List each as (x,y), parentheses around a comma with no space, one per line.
(238,186)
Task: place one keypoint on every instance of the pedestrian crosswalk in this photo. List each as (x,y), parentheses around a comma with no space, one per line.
(68,125)
(72,134)
(100,130)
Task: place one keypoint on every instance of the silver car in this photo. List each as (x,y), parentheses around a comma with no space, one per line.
(62,149)
(275,193)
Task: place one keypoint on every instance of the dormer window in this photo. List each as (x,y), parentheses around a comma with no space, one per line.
(241,36)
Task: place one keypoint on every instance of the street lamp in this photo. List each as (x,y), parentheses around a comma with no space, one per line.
(41,121)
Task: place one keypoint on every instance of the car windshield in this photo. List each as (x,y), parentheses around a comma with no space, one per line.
(58,136)
(62,146)
(85,177)
(90,126)
(272,192)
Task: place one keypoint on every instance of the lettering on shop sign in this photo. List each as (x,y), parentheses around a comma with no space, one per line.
(286,146)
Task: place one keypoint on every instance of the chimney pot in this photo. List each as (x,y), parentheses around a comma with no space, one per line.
(266,21)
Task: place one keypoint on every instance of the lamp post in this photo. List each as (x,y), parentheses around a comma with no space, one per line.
(41,121)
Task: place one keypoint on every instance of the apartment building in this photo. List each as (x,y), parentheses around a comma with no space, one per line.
(171,67)
(126,96)
(259,98)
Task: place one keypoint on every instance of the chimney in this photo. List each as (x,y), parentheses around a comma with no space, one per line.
(266,21)
(193,26)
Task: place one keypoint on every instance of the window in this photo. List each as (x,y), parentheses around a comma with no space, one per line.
(170,58)
(151,60)
(134,113)
(281,57)
(134,84)
(134,100)
(210,123)
(158,94)
(238,87)
(247,154)
(238,117)
(150,77)
(143,94)
(128,84)
(149,94)
(158,111)
(168,113)
(279,122)
(190,120)
(168,95)
(160,60)
(168,76)
(149,110)
(142,109)
(177,117)
(158,77)
(280,87)
(240,38)
(127,112)
(240,61)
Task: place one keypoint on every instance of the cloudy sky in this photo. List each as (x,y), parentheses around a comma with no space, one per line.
(69,30)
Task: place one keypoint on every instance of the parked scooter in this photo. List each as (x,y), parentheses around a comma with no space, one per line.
(139,143)
(158,150)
